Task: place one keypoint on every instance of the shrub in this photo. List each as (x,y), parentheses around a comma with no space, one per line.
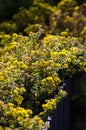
(54,18)
(7,28)
(31,71)
(68,13)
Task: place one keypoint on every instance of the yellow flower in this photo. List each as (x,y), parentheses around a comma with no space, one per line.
(57,65)
(22,89)
(15,91)
(7,113)
(23,66)
(1,128)
(14,111)
(15,35)
(41,122)
(50,105)
(66,65)
(69,59)
(64,33)
(1,77)
(43,81)
(54,54)
(85,69)
(11,67)
(76,8)
(10,104)
(19,118)
(74,50)
(15,62)
(18,99)
(81,63)
(48,37)
(83,31)
(8,48)
(41,113)
(7,80)
(56,78)
(63,52)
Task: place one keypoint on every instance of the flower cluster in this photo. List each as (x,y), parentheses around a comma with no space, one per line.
(18,118)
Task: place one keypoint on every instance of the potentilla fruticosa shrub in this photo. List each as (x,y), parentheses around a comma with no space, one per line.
(31,71)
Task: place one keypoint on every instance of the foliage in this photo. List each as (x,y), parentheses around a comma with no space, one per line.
(33,15)
(31,71)
(54,18)
(7,28)
(33,67)
(68,13)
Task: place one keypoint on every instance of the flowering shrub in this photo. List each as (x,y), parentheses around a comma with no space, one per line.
(33,67)
(30,17)
(68,13)
(31,71)
(54,18)
(18,117)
